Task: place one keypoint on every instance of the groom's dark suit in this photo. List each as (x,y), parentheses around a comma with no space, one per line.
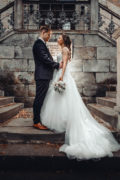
(44,67)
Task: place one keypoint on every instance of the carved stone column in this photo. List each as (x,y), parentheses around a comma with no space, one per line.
(116,35)
(18,14)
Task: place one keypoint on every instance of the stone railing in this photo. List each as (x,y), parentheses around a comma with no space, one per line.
(7,19)
(108,21)
(64,15)
(67,15)
(60,15)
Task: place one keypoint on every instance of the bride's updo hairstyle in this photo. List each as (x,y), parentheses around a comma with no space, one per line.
(67,42)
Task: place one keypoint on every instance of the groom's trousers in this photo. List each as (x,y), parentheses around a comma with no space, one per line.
(42,86)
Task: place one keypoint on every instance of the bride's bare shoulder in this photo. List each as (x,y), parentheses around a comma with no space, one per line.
(65,50)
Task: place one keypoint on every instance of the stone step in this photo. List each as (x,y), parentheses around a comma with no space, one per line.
(106,101)
(6,100)
(19,129)
(111,94)
(29,135)
(105,113)
(19,159)
(111,87)
(104,123)
(88,100)
(1,93)
(6,112)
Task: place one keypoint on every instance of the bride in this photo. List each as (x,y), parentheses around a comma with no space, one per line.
(85,138)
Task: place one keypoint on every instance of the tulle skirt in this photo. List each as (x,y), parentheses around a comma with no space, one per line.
(85,138)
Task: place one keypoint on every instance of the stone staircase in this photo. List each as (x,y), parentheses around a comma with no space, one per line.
(8,108)
(103,110)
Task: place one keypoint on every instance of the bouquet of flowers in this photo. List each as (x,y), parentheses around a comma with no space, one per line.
(59,86)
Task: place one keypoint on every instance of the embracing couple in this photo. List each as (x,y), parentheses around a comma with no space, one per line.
(85,138)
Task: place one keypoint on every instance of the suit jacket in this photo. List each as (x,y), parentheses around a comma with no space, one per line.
(44,63)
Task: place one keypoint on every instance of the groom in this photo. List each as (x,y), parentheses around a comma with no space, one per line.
(44,67)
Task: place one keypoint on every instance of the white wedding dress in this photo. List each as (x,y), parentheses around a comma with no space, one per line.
(85,138)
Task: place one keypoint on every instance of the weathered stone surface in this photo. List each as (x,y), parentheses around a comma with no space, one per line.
(80,90)
(17,90)
(33,150)
(13,65)
(106,53)
(6,100)
(79,87)
(113,5)
(77,40)
(6,52)
(111,94)
(76,66)
(105,113)
(113,65)
(95,40)
(96,66)
(104,2)
(6,77)
(20,128)
(106,78)
(24,77)
(83,78)
(107,101)
(18,52)
(88,100)
(28,101)
(31,90)
(94,15)
(4,3)
(7,112)
(84,53)
(102,88)
(31,66)
(80,24)
(18,40)
(27,53)
(90,90)
(32,38)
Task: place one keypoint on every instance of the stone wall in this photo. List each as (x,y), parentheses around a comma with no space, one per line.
(93,65)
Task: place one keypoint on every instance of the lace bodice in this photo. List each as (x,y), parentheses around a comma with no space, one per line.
(59,57)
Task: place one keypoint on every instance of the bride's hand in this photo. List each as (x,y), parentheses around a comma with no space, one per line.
(60,79)
(61,64)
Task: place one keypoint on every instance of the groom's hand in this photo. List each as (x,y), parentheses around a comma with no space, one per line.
(61,64)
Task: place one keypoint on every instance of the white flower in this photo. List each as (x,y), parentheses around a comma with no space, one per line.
(59,86)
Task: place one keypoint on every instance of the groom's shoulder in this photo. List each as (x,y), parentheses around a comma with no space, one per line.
(38,41)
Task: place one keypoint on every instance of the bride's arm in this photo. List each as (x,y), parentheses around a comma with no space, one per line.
(65,60)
